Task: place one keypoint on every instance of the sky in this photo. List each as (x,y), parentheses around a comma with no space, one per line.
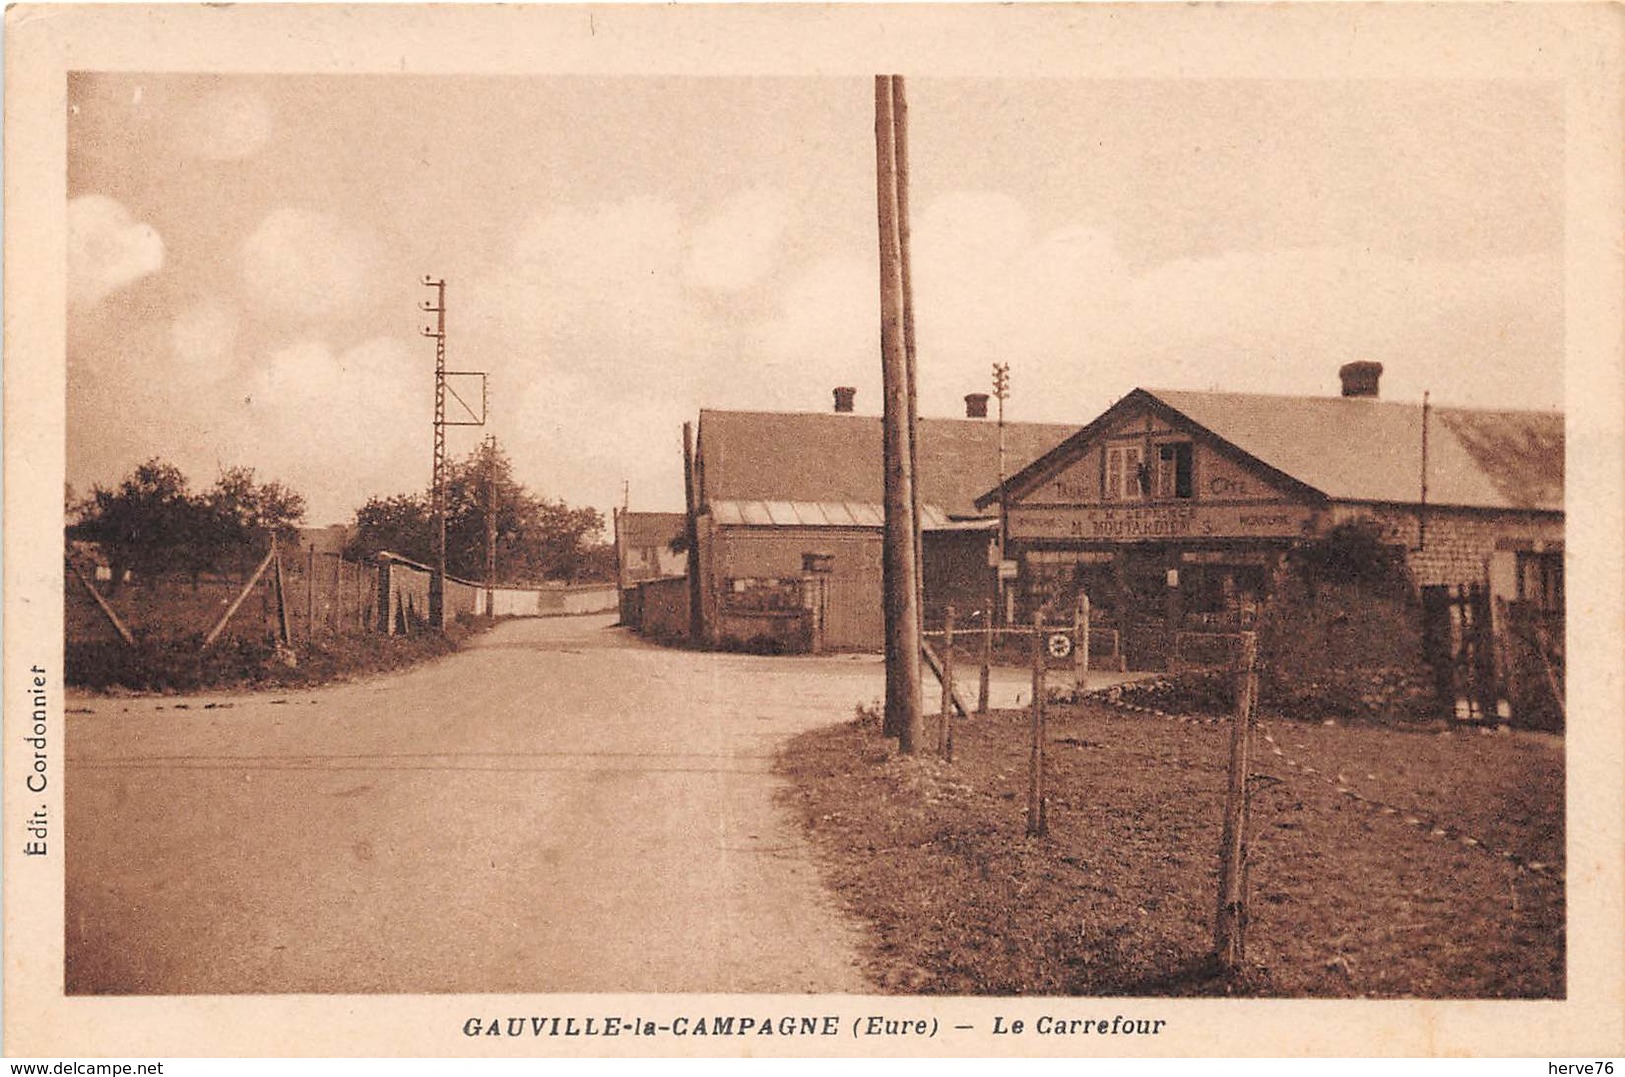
(245,256)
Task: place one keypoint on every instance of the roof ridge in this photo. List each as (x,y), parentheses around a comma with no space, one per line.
(847,415)
(1363,400)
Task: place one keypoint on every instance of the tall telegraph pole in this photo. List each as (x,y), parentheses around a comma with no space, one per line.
(437,580)
(900,550)
(1001,389)
(437,332)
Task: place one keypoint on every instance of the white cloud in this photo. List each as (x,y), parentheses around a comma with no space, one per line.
(826,332)
(738,243)
(226,125)
(107,249)
(595,286)
(202,339)
(341,426)
(306,266)
(1079,326)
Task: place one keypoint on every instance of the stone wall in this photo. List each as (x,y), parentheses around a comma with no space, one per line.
(1458,542)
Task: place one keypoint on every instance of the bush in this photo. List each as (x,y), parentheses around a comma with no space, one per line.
(1352,555)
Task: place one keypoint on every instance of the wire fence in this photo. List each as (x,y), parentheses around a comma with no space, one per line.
(1067,650)
(321,595)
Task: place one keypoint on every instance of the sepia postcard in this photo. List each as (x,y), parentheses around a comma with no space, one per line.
(814,530)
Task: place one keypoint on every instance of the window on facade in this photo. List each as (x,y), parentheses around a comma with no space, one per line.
(1540,580)
(1174,469)
(1124,464)
(759,593)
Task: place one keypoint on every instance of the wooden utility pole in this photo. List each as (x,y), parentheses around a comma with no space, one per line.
(1230,929)
(310,592)
(899,104)
(1001,391)
(691,537)
(900,552)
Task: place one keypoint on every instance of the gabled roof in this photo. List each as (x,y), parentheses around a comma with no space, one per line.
(640,529)
(1362,449)
(825,458)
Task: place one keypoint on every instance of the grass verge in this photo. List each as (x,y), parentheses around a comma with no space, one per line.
(183,664)
(1119,899)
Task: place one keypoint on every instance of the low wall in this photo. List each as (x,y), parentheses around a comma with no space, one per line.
(764,631)
(662,607)
(403,597)
(548,601)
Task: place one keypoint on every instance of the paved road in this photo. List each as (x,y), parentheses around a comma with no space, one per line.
(558,808)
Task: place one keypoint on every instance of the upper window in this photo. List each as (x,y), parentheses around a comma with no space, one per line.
(1174,469)
(1125,473)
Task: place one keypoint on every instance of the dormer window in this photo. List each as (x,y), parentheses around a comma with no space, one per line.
(1174,469)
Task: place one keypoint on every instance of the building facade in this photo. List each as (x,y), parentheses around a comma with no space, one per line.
(1173,511)
(789,519)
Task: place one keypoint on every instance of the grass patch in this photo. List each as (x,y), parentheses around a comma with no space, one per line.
(180,663)
(1119,899)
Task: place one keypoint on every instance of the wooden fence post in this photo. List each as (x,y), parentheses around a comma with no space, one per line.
(1080,645)
(1230,929)
(945,738)
(338,596)
(283,632)
(102,604)
(985,676)
(1037,824)
(220,625)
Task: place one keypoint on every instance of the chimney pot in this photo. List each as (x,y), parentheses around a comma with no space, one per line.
(975,405)
(1360,378)
(843,398)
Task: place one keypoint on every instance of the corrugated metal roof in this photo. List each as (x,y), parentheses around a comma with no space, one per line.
(1361,449)
(828,458)
(736,513)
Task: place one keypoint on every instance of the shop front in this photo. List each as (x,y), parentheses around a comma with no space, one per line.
(1153,595)
(1170,533)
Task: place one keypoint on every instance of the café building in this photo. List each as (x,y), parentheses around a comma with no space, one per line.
(1173,511)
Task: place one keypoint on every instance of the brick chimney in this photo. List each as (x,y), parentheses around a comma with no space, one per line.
(975,405)
(1360,378)
(843,398)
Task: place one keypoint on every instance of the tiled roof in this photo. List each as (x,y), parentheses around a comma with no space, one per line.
(1362,449)
(833,461)
(640,529)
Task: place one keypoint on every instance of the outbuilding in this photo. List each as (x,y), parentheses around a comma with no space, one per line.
(789,520)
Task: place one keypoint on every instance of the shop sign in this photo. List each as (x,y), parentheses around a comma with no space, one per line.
(1152,523)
